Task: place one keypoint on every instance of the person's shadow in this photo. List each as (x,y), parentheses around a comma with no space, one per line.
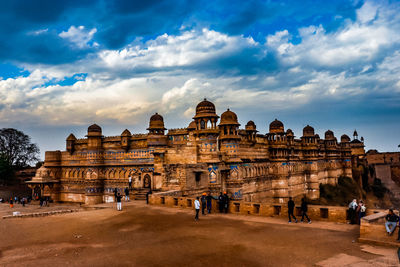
(398,254)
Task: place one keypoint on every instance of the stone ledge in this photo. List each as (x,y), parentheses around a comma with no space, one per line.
(40,214)
(378,242)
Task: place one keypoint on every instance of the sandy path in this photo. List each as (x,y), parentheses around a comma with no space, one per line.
(152,236)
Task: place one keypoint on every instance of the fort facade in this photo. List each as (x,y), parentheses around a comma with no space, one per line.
(211,154)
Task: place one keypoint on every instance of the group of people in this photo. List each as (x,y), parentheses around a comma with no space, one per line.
(356,211)
(205,202)
(303,207)
(118,197)
(16,200)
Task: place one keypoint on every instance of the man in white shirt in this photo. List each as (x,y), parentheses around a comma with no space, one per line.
(197,207)
(130,182)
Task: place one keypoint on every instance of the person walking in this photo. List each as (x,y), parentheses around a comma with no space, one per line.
(209,202)
(352,211)
(11,203)
(221,202)
(147,196)
(203,203)
(126,194)
(291,209)
(115,192)
(391,222)
(130,182)
(226,202)
(197,208)
(119,204)
(304,209)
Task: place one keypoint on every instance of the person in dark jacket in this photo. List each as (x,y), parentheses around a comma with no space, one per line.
(304,209)
(209,198)
(115,193)
(226,202)
(119,204)
(147,196)
(221,202)
(291,209)
(203,203)
(126,194)
(391,222)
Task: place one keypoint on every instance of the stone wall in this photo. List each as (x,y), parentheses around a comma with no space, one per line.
(373,231)
(315,212)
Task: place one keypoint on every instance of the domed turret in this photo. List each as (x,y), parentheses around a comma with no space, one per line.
(308,131)
(204,109)
(250,126)
(192,126)
(229,118)
(71,143)
(94,130)
(289,132)
(206,118)
(344,138)
(276,127)
(156,125)
(329,135)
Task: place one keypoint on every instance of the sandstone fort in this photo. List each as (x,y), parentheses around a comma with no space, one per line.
(211,154)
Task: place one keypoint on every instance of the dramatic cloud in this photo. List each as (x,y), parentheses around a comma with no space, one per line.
(115,63)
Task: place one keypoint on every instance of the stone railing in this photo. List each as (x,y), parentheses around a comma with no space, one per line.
(315,212)
(372,230)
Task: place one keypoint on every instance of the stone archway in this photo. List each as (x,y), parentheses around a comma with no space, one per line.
(147,181)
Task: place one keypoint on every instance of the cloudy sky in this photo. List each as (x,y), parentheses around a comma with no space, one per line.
(67,64)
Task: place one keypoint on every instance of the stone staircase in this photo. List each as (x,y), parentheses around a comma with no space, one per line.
(139,194)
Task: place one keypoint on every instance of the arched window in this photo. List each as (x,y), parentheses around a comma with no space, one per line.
(202,125)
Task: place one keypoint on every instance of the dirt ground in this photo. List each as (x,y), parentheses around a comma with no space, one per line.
(142,235)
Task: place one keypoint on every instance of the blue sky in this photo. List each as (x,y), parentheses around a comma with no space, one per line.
(67,64)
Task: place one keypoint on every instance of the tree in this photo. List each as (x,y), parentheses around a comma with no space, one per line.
(16,148)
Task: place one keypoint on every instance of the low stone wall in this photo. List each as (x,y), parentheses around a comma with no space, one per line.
(315,212)
(40,214)
(372,230)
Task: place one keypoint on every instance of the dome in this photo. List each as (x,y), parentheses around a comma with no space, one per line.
(329,135)
(289,132)
(308,131)
(229,118)
(251,126)
(205,109)
(156,122)
(126,133)
(276,127)
(94,128)
(344,138)
(71,137)
(192,126)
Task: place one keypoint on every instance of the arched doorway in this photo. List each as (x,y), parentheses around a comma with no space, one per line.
(147,181)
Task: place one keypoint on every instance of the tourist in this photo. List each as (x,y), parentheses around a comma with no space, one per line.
(290,210)
(221,202)
(226,202)
(304,210)
(147,196)
(197,208)
(361,211)
(203,203)
(11,203)
(352,211)
(130,182)
(209,201)
(23,202)
(391,222)
(119,204)
(126,194)
(115,193)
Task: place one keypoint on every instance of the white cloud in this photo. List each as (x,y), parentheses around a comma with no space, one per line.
(79,36)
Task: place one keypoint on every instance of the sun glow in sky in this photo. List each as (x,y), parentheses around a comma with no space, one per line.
(67,64)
